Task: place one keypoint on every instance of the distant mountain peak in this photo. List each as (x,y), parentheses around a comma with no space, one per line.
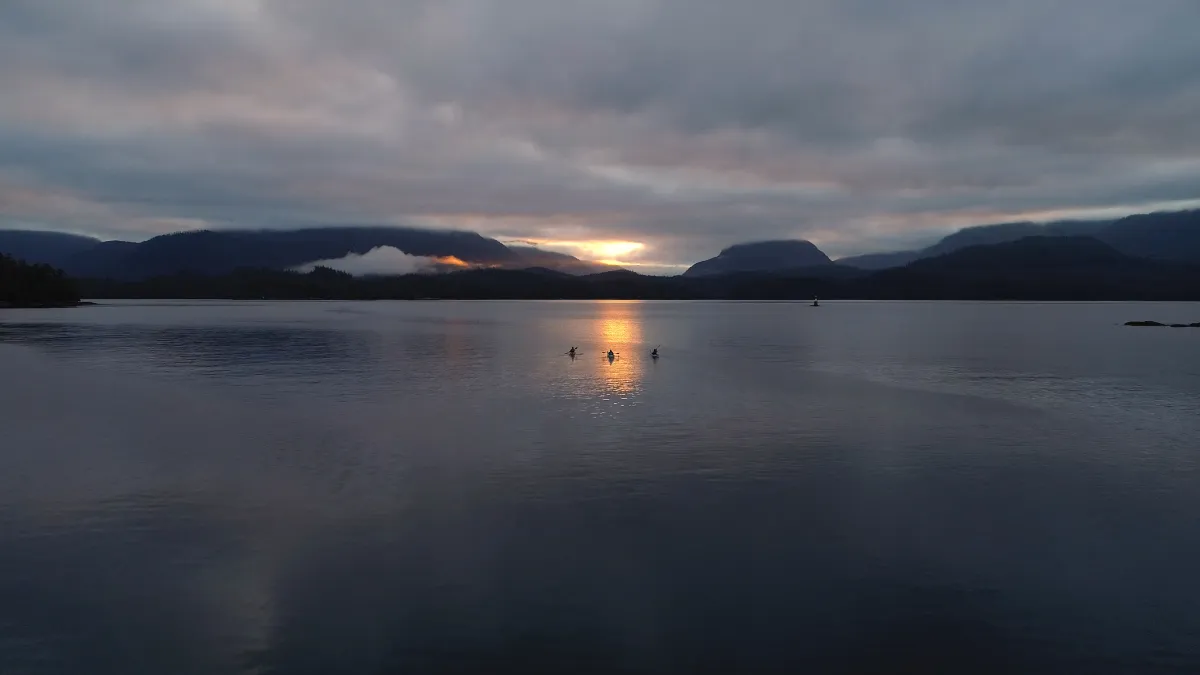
(771,246)
(762,256)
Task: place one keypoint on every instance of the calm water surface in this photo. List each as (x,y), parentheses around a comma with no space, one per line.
(437,487)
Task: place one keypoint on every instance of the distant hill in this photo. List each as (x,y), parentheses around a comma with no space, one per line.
(1007,232)
(106,259)
(979,235)
(40,285)
(762,256)
(1036,268)
(214,252)
(1168,235)
(50,248)
(880,261)
(984,235)
(1028,254)
(1161,236)
(218,252)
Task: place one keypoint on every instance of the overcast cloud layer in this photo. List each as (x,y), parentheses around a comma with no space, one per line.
(687,125)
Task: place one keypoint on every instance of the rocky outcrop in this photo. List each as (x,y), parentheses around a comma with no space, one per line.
(1155,324)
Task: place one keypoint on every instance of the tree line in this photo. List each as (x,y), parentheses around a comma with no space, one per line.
(26,285)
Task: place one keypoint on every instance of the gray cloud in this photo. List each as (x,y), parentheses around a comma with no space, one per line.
(684,124)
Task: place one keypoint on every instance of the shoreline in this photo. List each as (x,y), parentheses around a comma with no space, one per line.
(636,297)
(51,305)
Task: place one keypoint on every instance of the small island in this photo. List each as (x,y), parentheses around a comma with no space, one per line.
(1155,324)
(25,285)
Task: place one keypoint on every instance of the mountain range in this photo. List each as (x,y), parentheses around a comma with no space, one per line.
(1151,256)
(1042,267)
(974,236)
(212,252)
(1171,235)
(1032,268)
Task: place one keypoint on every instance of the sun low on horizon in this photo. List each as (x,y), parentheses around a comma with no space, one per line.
(613,252)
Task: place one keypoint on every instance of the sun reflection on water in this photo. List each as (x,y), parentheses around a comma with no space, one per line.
(619,328)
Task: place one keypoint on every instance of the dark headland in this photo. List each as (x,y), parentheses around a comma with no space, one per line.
(40,285)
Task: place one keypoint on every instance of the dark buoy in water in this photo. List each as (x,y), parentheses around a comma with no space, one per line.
(816,303)
(654,353)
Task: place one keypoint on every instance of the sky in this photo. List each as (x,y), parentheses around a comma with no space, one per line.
(650,133)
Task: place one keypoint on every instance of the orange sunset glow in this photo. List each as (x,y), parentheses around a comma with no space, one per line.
(451,260)
(606,251)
